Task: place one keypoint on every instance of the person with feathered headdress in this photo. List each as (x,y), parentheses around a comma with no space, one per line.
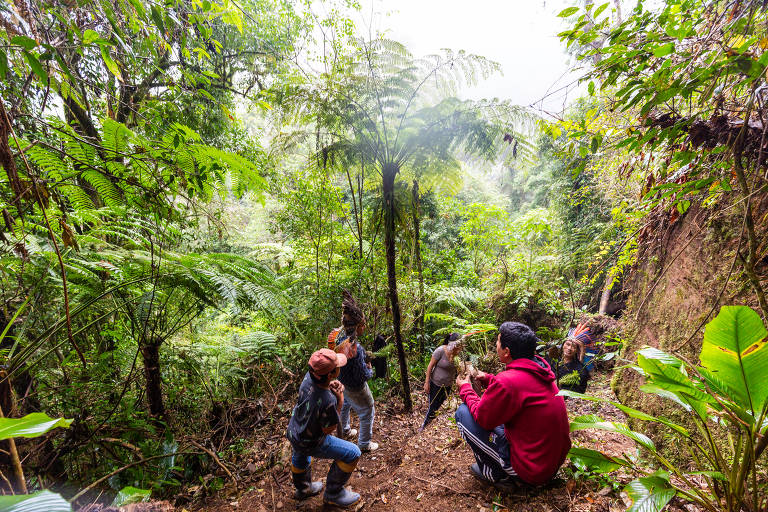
(355,374)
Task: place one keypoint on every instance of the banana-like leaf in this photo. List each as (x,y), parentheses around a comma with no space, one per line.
(660,355)
(650,493)
(592,421)
(43,501)
(595,461)
(726,395)
(735,351)
(629,411)
(671,378)
(31,425)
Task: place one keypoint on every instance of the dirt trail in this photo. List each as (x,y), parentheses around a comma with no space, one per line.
(430,471)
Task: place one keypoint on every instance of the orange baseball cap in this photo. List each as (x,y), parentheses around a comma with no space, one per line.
(325,360)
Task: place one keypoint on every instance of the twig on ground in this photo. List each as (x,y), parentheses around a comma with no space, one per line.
(455,491)
(128,466)
(215,459)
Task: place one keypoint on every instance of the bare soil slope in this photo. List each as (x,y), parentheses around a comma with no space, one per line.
(427,471)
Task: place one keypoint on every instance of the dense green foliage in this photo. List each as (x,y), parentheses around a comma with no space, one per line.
(184,198)
(726,394)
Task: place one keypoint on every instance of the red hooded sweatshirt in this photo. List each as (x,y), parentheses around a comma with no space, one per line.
(522,397)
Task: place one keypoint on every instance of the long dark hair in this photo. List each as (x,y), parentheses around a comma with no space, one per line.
(451,337)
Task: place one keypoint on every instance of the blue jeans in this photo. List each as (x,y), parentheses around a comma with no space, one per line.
(331,448)
(491,448)
(361,400)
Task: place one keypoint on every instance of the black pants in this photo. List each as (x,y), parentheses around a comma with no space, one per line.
(437,395)
(380,365)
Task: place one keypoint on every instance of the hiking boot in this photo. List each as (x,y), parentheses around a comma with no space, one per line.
(372,447)
(305,487)
(505,484)
(350,433)
(335,493)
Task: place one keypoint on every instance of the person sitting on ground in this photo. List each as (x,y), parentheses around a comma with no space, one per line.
(355,374)
(570,372)
(534,439)
(441,373)
(314,418)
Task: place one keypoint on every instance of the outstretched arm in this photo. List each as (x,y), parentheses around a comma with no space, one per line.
(432,363)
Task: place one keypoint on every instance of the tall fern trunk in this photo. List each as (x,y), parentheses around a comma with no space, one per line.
(605,297)
(388,174)
(150,354)
(417,246)
(10,457)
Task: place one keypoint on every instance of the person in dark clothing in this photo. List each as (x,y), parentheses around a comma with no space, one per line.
(379,363)
(355,375)
(314,418)
(570,372)
(440,376)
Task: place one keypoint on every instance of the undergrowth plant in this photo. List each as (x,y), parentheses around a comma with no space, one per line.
(725,397)
(30,426)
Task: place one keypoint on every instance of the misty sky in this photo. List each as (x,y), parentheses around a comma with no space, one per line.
(519,34)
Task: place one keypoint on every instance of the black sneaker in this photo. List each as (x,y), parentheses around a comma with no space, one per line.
(475,469)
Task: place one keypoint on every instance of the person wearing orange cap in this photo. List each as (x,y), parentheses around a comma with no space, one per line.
(354,376)
(314,419)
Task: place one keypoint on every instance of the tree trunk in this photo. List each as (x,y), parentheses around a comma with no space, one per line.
(151,355)
(17,481)
(417,244)
(606,296)
(388,174)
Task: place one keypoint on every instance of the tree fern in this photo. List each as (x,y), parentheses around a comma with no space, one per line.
(104,186)
(115,137)
(456,297)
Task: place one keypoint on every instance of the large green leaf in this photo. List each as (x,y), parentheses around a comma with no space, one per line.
(31,425)
(43,501)
(726,394)
(735,351)
(593,460)
(660,355)
(629,411)
(672,379)
(650,493)
(592,421)
(129,495)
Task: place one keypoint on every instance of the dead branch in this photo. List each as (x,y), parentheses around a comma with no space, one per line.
(215,459)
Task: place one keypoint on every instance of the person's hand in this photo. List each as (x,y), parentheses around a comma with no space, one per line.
(337,388)
(426,386)
(554,352)
(368,364)
(461,380)
(480,378)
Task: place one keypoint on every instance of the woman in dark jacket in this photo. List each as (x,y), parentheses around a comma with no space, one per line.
(569,370)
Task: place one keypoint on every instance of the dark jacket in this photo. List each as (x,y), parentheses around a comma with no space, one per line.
(355,373)
(572,376)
